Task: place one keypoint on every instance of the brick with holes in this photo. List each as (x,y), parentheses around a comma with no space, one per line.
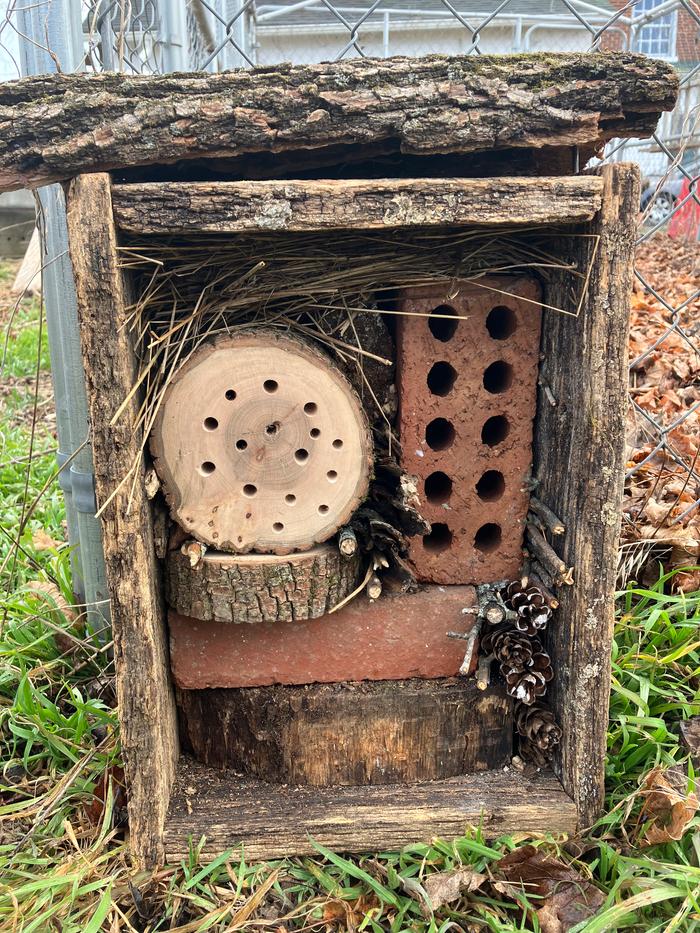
(467,374)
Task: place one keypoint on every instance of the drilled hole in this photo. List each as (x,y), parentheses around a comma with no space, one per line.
(249,490)
(495,430)
(443,323)
(501,323)
(315,432)
(269,385)
(488,537)
(498,377)
(491,486)
(311,408)
(272,428)
(207,468)
(332,476)
(210,424)
(438,488)
(323,509)
(301,455)
(440,434)
(441,378)
(290,498)
(439,539)
(337,443)
(277,527)
(241,444)
(230,394)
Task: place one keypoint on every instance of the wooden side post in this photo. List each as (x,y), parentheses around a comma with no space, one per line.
(147,713)
(579,466)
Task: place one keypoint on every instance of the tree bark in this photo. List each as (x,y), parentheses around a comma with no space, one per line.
(340,734)
(53,127)
(230,207)
(579,467)
(260,587)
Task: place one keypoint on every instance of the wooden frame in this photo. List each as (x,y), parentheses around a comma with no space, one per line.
(579,465)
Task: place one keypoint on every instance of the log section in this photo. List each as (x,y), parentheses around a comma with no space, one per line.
(53,127)
(338,734)
(230,207)
(271,821)
(583,399)
(260,587)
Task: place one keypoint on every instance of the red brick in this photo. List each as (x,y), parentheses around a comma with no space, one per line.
(457,394)
(396,637)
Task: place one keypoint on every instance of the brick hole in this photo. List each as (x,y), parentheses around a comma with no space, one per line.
(498,377)
(491,486)
(443,323)
(440,434)
(270,385)
(495,430)
(488,538)
(301,455)
(210,424)
(311,408)
(230,394)
(439,539)
(278,527)
(290,498)
(441,378)
(207,468)
(315,432)
(501,323)
(250,490)
(438,488)
(241,444)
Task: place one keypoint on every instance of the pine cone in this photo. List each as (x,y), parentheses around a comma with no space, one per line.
(530,606)
(526,686)
(511,648)
(538,732)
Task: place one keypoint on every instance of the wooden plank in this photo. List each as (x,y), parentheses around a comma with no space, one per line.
(273,821)
(147,713)
(386,732)
(583,400)
(230,207)
(56,126)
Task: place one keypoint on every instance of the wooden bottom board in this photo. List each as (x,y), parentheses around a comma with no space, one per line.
(271,820)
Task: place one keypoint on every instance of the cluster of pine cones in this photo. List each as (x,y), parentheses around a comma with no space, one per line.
(525,666)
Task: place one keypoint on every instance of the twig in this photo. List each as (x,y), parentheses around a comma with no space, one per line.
(483,673)
(471,639)
(347,542)
(544,552)
(551,599)
(374,587)
(553,524)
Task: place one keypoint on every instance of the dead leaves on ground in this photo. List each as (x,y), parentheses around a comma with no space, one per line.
(667,808)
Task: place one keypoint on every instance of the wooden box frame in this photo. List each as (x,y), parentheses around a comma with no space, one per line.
(578,463)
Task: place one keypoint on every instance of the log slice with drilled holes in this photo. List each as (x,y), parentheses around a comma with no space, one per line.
(260,587)
(261,445)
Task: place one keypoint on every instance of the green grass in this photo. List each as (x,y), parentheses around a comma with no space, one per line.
(64,864)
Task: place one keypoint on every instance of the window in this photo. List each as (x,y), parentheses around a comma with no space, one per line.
(657,37)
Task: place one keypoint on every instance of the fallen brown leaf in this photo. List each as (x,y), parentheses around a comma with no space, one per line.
(667,806)
(565,897)
(43,541)
(95,811)
(690,736)
(447,886)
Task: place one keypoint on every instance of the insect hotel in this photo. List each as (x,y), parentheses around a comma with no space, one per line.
(354,337)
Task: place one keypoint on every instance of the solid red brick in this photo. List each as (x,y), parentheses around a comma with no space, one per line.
(394,638)
(476,487)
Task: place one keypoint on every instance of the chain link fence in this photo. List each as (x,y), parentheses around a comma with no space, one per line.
(142,36)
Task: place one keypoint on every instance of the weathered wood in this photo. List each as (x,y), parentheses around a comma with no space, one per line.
(261,444)
(147,715)
(55,126)
(229,207)
(272,821)
(248,588)
(387,732)
(579,465)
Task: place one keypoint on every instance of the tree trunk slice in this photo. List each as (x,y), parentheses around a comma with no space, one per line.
(261,445)
(260,587)
(351,734)
(56,126)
